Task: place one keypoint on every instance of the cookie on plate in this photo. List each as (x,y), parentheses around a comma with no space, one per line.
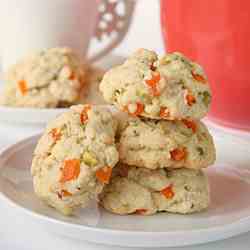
(144,191)
(48,79)
(74,157)
(165,144)
(172,87)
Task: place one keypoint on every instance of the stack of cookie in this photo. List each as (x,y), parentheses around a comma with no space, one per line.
(163,146)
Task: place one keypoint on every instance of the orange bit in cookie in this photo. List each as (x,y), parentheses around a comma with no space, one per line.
(199,78)
(168,192)
(153,82)
(190,124)
(56,134)
(190,99)
(155,91)
(70,170)
(104,174)
(156,77)
(84,114)
(140,211)
(178,154)
(138,111)
(63,193)
(66,193)
(164,112)
(22,85)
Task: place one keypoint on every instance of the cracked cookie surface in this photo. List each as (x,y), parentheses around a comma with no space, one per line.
(47,79)
(145,192)
(172,87)
(74,158)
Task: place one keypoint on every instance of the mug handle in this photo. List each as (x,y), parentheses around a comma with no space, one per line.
(111,22)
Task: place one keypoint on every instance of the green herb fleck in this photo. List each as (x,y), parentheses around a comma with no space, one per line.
(206,98)
(89,159)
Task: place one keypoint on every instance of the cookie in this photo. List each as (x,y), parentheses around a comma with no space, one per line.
(165,144)
(74,158)
(170,88)
(48,79)
(145,192)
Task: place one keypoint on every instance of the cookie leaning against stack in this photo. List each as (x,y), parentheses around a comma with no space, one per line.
(73,159)
(166,97)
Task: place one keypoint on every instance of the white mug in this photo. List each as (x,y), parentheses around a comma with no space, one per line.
(32,25)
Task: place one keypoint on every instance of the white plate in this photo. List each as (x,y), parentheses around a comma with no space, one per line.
(42,116)
(228,215)
(28,115)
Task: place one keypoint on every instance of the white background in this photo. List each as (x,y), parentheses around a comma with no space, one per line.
(15,234)
(145,30)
